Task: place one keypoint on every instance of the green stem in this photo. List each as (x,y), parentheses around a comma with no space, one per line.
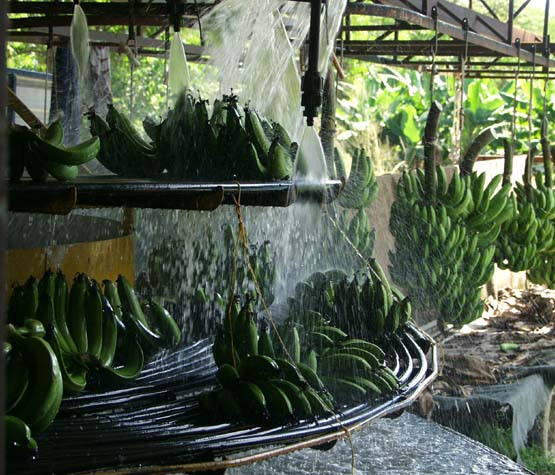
(431,151)
(481,141)
(508,163)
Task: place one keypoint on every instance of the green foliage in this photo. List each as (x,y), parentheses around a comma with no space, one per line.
(397,102)
(535,460)
(500,439)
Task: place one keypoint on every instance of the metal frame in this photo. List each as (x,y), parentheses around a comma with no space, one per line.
(497,44)
(489,38)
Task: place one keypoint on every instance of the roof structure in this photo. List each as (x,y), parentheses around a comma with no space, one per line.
(406,33)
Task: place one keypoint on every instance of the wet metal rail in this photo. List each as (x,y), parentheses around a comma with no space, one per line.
(107,191)
(153,425)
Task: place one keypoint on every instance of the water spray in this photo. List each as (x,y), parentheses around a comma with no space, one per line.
(178,70)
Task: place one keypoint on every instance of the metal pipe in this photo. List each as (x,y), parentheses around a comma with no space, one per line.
(312,82)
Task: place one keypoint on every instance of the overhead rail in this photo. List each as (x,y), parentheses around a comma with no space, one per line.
(403,33)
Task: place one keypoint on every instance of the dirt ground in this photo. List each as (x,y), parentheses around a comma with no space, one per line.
(516,330)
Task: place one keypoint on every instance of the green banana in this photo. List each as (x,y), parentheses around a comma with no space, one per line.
(318,405)
(257,135)
(15,306)
(312,360)
(299,402)
(345,390)
(165,324)
(60,311)
(111,293)
(339,363)
(278,404)
(109,334)
(93,316)
(41,401)
(129,368)
(364,345)
(279,165)
(19,442)
(295,349)
(335,334)
(265,345)
(227,376)
(258,367)
(17,379)
(251,401)
(77,322)
(311,377)
(30,299)
(74,375)
(33,327)
(228,405)
(78,155)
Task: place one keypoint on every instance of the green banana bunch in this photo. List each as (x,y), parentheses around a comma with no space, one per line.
(491,208)
(212,263)
(544,272)
(517,245)
(361,187)
(122,149)
(366,303)
(231,143)
(46,155)
(439,259)
(361,234)
(85,328)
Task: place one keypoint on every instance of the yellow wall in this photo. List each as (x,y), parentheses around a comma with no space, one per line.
(98,259)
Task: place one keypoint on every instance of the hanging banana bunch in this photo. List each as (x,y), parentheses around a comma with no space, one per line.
(231,143)
(543,197)
(443,236)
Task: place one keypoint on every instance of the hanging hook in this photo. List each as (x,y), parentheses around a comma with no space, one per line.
(434,53)
(463,74)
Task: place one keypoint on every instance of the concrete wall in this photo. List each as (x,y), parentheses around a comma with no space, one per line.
(379,214)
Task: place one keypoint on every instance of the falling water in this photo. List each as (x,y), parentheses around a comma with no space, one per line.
(79,39)
(253,48)
(178,70)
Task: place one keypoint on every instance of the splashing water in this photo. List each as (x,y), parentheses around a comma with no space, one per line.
(253,47)
(311,162)
(79,38)
(178,70)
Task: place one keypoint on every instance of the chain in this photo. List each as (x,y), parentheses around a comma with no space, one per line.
(434,53)
(515,98)
(531,98)
(463,70)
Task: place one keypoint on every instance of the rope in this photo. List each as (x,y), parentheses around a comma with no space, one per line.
(243,238)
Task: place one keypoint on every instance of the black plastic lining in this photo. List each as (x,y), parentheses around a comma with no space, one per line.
(155,420)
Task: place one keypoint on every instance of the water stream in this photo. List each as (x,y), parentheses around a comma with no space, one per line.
(403,446)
